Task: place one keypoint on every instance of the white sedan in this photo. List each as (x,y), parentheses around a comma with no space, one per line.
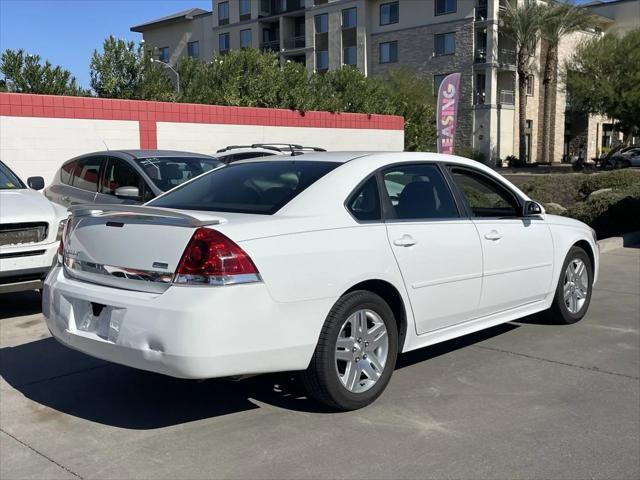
(329,263)
(30,230)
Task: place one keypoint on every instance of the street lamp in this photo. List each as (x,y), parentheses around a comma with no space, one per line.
(173,70)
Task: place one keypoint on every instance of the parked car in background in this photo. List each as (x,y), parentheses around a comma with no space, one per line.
(30,230)
(233,153)
(627,157)
(327,263)
(124,176)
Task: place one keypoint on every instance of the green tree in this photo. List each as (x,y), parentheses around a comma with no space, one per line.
(411,96)
(25,73)
(127,71)
(603,76)
(558,21)
(521,23)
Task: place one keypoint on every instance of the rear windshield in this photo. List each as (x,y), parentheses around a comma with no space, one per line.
(256,187)
(169,172)
(8,181)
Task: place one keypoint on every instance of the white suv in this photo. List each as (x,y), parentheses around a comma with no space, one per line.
(30,229)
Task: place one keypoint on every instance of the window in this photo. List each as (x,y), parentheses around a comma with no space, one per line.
(255,187)
(349,56)
(530,84)
(8,179)
(87,173)
(223,42)
(245,38)
(389,13)
(484,196)
(437,80)
(444,7)
(163,54)
(445,44)
(322,60)
(365,203)
(245,9)
(322,23)
(168,172)
(223,13)
(119,174)
(389,52)
(193,49)
(419,192)
(66,172)
(350,18)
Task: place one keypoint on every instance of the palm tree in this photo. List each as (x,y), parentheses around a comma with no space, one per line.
(521,23)
(558,21)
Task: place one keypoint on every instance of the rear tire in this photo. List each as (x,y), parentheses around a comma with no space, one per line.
(573,292)
(356,352)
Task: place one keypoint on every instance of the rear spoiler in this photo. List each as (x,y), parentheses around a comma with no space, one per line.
(181,219)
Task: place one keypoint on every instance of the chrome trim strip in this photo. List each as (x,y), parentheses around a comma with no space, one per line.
(215,281)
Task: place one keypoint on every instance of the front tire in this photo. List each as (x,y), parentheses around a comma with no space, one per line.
(356,352)
(573,293)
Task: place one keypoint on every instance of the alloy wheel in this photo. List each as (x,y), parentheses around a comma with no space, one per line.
(576,285)
(361,350)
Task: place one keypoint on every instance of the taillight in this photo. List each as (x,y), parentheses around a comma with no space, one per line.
(212,259)
(62,232)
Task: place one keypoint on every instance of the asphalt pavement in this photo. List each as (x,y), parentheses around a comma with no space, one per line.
(521,400)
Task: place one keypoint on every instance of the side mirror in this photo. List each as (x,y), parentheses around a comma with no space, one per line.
(36,183)
(531,209)
(129,193)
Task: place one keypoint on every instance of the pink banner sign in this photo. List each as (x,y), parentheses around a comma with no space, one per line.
(447,116)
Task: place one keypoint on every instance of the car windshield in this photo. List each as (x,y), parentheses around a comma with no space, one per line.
(169,172)
(9,180)
(255,187)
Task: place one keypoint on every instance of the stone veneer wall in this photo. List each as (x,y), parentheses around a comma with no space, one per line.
(415,51)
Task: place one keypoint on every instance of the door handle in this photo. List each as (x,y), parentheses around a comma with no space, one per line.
(405,241)
(493,235)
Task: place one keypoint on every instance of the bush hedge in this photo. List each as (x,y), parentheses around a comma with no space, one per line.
(609,213)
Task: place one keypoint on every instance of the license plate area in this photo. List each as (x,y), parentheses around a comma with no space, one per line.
(104,321)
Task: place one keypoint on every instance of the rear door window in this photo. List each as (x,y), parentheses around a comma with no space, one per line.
(256,187)
(66,172)
(87,174)
(418,192)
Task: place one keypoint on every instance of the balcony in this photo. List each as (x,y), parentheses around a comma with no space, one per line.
(507,56)
(480,55)
(481,10)
(507,97)
(271,46)
(479,97)
(294,43)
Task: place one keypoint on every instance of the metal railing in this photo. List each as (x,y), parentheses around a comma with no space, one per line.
(507,56)
(507,97)
(273,45)
(294,42)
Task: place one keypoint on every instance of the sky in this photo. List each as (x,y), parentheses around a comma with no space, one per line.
(66,32)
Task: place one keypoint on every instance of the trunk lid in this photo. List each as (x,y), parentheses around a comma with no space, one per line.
(129,247)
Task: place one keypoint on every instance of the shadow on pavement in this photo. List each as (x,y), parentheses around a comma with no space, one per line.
(20,304)
(73,383)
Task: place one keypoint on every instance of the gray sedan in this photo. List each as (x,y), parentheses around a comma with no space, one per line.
(124,176)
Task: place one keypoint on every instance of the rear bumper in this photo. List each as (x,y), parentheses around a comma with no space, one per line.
(185,332)
(25,268)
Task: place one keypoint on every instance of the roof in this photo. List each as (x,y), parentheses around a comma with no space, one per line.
(337,157)
(189,14)
(136,153)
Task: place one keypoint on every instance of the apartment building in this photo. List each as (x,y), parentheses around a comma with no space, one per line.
(432,37)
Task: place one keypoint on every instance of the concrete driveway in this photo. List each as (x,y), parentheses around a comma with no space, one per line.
(523,400)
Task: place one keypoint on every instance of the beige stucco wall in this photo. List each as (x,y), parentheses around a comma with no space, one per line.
(176,36)
(625,14)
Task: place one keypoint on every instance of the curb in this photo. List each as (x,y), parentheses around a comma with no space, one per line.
(613,243)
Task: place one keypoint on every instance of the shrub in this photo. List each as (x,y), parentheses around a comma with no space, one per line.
(611,213)
(472,154)
(555,188)
(616,180)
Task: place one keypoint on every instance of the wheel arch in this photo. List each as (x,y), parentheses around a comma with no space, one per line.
(586,246)
(390,294)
